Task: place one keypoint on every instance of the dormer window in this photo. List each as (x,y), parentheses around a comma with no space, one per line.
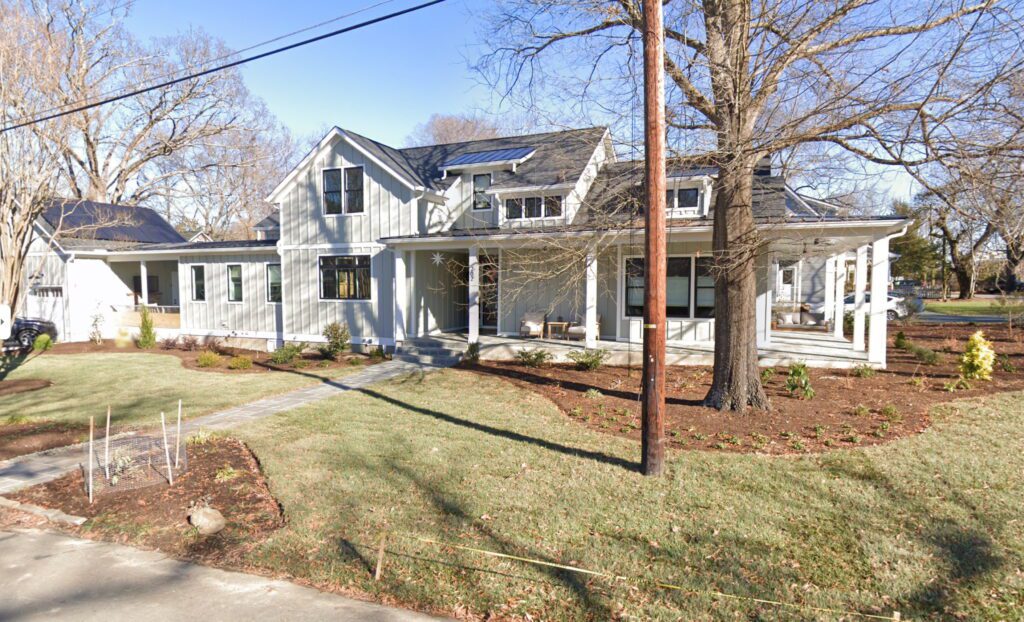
(533,207)
(481,200)
(683,201)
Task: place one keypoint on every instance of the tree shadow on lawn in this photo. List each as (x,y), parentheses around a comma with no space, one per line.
(969,550)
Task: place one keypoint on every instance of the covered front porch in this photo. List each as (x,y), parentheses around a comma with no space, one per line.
(597,290)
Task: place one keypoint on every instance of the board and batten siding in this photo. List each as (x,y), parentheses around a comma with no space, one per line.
(254,316)
(439,296)
(369,321)
(389,207)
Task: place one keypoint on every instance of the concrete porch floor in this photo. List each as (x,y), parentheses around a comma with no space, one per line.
(817,349)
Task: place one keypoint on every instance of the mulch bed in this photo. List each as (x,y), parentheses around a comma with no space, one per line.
(846,411)
(12,387)
(155,517)
(26,438)
(261,360)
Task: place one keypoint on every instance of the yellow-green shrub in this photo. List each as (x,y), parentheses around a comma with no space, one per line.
(978,358)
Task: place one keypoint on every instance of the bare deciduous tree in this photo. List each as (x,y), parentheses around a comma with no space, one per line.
(747,80)
(442,129)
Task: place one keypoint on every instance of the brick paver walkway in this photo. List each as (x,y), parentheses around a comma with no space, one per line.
(44,466)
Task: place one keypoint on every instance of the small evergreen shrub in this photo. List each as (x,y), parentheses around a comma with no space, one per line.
(42,343)
(208,359)
(147,334)
(240,362)
(472,353)
(589,360)
(534,357)
(798,381)
(287,353)
(338,337)
(923,354)
(900,341)
(978,358)
(864,371)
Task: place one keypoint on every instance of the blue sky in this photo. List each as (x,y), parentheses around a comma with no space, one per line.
(380,81)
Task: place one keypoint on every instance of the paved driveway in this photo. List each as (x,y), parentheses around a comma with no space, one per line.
(49,576)
(943,318)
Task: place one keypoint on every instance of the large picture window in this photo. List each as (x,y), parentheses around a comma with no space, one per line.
(273,282)
(533,207)
(481,200)
(689,287)
(199,283)
(234,282)
(345,277)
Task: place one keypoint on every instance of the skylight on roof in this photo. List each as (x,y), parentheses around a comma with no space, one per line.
(496,156)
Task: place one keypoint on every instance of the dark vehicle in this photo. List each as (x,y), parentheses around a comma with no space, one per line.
(25,331)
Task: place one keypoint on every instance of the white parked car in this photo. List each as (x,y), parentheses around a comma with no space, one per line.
(896,307)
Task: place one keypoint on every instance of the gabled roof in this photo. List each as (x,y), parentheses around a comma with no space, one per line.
(273,221)
(122,224)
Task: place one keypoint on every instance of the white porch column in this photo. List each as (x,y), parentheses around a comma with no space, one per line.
(879,298)
(474,294)
(144,279)
(830,288)
(860,282)
(401,297)
(764,304)
(840,294)
(590,317)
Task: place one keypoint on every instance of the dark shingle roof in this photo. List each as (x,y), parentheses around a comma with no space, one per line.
(90,220)
(273,221)
(199,246)
(559,157)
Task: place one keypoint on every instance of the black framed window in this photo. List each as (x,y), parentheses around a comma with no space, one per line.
(532,207)
(199,283)
(332,191)
(704,288)
(345,277)
(678,287)
(513,208)
(273,282)
(354,190)
(553,206)
(670,199)
(234,282)
(481,200)
(635,287)
(688,198)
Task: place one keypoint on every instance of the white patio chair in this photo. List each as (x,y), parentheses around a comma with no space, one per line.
(532,324)
(578,330)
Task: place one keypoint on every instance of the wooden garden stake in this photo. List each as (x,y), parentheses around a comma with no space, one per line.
(91,423)
(106,447)
(380,556)
(167,452)
(177,438)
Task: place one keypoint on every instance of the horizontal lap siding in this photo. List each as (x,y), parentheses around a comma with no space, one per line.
(308,315)
(254,314)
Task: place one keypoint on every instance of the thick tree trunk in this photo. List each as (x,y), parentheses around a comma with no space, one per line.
(964,281)
(736,383)
(1014,257)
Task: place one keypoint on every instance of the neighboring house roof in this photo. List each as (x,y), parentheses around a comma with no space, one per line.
(94,221)
(195,235)
(273,221)
(219,244)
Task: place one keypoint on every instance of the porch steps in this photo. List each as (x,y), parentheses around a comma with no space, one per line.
(428,351)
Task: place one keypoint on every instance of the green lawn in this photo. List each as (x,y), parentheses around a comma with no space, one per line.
(980,306)
(929,525)
(137,387)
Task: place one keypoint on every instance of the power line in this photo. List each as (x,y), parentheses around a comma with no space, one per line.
(236,63)
(205,63)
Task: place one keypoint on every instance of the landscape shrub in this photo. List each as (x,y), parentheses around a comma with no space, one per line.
(208,359)
(189,343)
(42,343)
(534,357)
(287,353)
(589,359)
(338,337)
(472,353)
(978,358)
(923,354)
(147,334)
(1006,364)
(864,371)
(168,343)
(767,374)
(798,381)
(240,362)
(900,341)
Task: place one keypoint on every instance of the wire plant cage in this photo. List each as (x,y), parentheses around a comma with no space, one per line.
(130,457)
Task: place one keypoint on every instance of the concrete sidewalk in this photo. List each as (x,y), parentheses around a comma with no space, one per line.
(51,576)
(44,466)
